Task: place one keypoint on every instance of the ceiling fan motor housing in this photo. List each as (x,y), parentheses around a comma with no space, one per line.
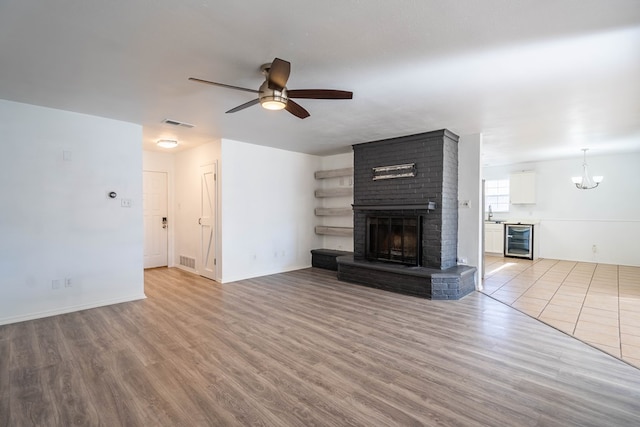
(272,99)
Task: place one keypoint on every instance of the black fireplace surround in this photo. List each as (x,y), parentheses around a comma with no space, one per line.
(393,239)
(406,217)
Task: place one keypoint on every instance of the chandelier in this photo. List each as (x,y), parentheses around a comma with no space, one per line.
(585,182)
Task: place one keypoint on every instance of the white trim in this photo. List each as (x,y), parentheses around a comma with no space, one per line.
(187,269)
(587,220)
(69,309)
(264,273)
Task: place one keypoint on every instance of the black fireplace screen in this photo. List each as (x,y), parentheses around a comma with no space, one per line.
(394,238)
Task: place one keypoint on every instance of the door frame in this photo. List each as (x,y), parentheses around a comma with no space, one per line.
(167,212)
(215,225)
(171,212)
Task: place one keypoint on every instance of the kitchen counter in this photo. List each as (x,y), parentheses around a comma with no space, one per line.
(513,221)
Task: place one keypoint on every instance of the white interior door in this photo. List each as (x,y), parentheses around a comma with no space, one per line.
(154,201)
(207,221)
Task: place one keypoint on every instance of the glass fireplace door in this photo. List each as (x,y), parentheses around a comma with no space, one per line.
(394,239)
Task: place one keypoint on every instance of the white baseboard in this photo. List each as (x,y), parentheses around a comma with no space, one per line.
(237,278)
(68,309)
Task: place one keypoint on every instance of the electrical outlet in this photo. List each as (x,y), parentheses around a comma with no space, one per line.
(126,203)
(55,284)
(594,249)
(67,282)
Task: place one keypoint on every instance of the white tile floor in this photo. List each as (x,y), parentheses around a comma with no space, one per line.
(596,303)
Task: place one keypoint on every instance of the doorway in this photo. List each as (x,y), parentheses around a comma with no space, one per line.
(155,219)
(208,203)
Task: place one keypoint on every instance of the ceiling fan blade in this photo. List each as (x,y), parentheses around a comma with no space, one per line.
(245,105)
(319,94)
(278,74)
(295,109)
(223,85)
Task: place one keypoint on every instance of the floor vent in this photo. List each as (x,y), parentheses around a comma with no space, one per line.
(177,123)
(187,261)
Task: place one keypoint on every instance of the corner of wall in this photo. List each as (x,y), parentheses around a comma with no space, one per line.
(470,203)
(267,210)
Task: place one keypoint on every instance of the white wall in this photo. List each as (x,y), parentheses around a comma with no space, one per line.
(338,161)
(572,220)
(187,202)
(470,190)
(154,161)
(267,210)
(57,222)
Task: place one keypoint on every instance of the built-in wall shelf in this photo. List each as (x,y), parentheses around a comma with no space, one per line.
(334,231)
(334,173)
(334,192)
(333,211)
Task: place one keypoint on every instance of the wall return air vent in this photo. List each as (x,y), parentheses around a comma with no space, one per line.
(177,123)
(187,261)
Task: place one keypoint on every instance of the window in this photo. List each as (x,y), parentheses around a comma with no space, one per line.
(496,195)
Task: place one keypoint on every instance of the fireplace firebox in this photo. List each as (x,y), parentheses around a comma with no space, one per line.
(393,239)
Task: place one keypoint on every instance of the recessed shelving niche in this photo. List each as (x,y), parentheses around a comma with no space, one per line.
(339,175)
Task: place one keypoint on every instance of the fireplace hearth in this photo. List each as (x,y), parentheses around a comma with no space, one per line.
(406,217)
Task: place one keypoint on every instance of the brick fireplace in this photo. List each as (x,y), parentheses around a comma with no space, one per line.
(406,217)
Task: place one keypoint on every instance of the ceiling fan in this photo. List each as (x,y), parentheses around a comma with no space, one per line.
(273,93)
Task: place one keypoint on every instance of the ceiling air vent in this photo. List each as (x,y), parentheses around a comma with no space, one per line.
(177,123)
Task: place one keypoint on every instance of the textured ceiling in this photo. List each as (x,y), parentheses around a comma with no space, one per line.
(540,79)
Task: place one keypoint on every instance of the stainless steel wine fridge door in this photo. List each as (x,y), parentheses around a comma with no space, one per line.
(518,240)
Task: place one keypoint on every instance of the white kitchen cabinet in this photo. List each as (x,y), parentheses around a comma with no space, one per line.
(522,188)
(494,238)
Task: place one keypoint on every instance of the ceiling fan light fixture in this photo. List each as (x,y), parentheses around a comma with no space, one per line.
(167,143)
(272,99)
(273,104)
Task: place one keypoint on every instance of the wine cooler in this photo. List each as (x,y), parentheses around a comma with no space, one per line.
(518,241)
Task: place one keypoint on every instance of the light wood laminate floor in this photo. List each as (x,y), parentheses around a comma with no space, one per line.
(303,349)
(596,303)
